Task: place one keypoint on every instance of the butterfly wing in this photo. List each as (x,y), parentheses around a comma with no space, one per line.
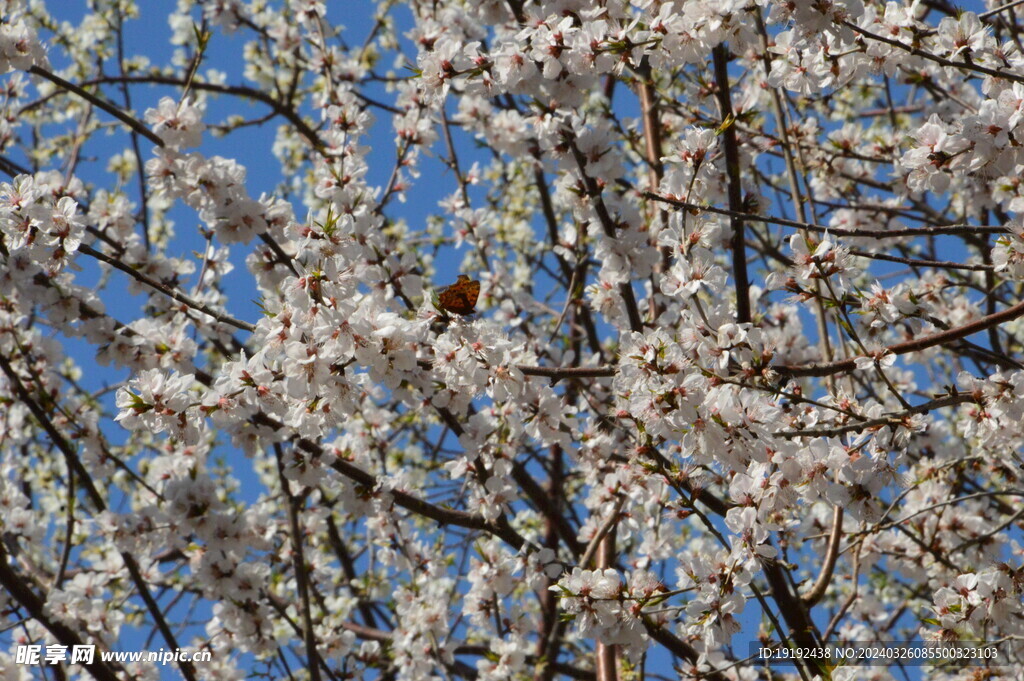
(472,292)
(460,298)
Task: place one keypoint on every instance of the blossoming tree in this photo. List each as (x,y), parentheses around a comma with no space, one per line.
(745,362)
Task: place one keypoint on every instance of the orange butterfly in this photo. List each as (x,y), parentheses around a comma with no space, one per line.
(460,297)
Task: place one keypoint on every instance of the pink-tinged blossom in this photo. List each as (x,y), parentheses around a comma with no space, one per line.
(226,14)
(884,307)
(823,261)
(1008,253)
(964,38)
(19,46)
(933,157)
(595,600)
(159,402)
(879,358)
(795,69)
(690,275)
(179,124)
(48,229)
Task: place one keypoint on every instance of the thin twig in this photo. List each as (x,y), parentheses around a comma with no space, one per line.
(915,262)
(936,230)
(1001,8)
(916,51)
(167,291)
(100,103)
(889,420)
(915,345)
(607,225)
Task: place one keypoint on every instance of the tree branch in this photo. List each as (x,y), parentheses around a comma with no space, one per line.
(720,56)
(132,123)
(171,293)
(915,345)
(936,230)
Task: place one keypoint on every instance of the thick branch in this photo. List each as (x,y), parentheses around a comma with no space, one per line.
(678,647)
(831,554)
(798,620)
(557,373)
(732,168)
(301,573)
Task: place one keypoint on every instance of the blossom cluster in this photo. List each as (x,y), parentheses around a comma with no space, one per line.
(745,361)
